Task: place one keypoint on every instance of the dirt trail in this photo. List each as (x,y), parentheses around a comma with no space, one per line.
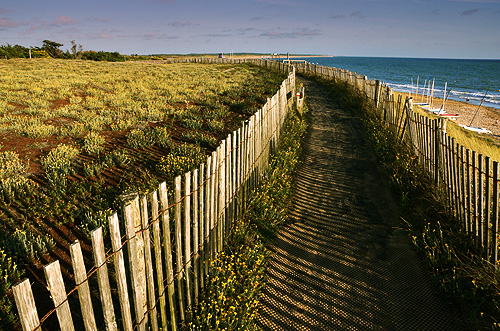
(343,263)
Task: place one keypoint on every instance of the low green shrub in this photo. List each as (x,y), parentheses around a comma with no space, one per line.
(201,139)
(93,143)
(9,275)
(182,159)
(162,137)
(231,294)
(58,164)
(36,129)
(12,176)
(215,126)
(94,220)
(140,138)
(118,157)
(93,169)
(24,243)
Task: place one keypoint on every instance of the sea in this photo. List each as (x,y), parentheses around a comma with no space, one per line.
(473,81)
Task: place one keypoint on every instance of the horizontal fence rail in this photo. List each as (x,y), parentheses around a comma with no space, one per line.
(468,179)
(162,242)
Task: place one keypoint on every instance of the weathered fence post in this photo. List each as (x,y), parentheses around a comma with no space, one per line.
(148,259)
(121,279)
(167,247)
(135,244)
(25,303)
(187,239)
(83,286)
(178,247)
(158,259)
(58,293)
(103,279)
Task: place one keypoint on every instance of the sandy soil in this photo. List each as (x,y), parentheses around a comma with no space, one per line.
(487,117)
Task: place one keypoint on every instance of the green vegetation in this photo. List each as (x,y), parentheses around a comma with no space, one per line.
(9,275)
(93,143)
(237,276)
(75,135)
(465,279)
(12,175)
(51,49)
(58,164)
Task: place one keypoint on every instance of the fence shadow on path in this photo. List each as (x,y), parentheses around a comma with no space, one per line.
(343,263)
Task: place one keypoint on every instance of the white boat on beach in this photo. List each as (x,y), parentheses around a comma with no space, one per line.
(437,111)
(474,129)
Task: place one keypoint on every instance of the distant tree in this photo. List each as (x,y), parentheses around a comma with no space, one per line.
(76,50)
(52,48)
(103,56)
(8,51)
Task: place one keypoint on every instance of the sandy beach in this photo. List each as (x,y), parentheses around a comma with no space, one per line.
(487,117)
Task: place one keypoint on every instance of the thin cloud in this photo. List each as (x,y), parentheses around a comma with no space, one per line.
(305,32)
(218,35)
(65,20)
(180,24)
(257,18)
(102,34)
(357,14)
(470,12)
(8,23)
(98,19)
(157,36)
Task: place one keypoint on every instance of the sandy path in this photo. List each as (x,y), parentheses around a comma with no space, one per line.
(343,263)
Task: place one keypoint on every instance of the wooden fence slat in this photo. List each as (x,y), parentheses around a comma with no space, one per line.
(103,279)
(178,247)
(208,213)
(456,178)
(461,176)
(222,198)
(83,286)
(480,197)
(167,248)
(25,303)
(494,216)
(57,290)
(469,212)
(187,240)
(158,259)
(148,259)
(131,217)
(213,205)
(201,226)
(196,237)
(487,196)
(121,278)
(473,224)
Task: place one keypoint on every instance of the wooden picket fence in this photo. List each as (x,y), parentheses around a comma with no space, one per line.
(162,244)
(468,179)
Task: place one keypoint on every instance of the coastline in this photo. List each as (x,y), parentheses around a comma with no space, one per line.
(482,117)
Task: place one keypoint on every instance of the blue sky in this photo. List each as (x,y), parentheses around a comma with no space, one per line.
(401,28)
